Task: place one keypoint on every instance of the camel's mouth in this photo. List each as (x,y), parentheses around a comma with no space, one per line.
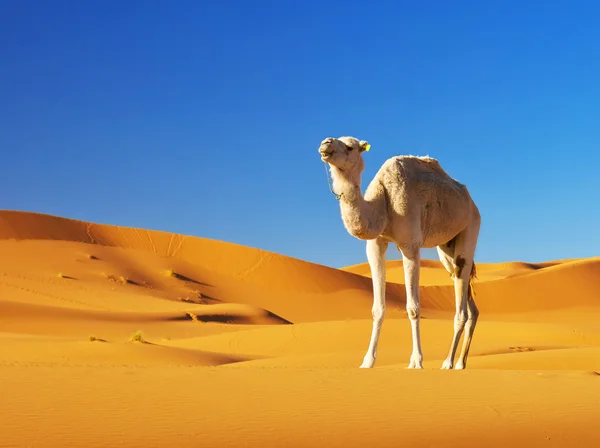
(326,156)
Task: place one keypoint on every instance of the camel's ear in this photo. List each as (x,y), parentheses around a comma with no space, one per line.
(364,146)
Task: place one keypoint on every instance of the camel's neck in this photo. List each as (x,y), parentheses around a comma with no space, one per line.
(364,217)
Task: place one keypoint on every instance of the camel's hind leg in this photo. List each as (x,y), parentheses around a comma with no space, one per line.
(446,254)
(472,317)
(458,260)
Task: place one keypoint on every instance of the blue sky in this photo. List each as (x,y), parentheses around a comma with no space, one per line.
(204,117)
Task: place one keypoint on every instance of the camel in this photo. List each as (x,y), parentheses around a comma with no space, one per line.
(411,202)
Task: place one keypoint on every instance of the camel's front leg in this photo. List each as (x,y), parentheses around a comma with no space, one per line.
(411,261)
(376,255)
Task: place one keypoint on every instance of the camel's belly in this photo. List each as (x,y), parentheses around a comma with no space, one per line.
(400,233)
(439,239)
(442,225)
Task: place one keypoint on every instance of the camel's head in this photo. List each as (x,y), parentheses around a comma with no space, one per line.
(344,153)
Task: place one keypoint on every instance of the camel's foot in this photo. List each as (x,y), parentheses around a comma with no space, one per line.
(416,361)
(367,363)
(460,365)
(447,364)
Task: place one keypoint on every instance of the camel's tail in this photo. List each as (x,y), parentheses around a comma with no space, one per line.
(471,284)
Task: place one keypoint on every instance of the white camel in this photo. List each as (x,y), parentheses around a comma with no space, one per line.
(413,203)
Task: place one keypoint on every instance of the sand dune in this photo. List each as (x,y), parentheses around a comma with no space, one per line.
(112,335)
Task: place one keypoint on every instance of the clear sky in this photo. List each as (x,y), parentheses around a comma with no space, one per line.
(204,117)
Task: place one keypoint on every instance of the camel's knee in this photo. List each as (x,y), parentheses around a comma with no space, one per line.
(473,311)
(413,311)
(378,314)
(460,319)
(470,324)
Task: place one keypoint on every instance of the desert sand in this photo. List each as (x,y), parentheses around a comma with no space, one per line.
(114,336)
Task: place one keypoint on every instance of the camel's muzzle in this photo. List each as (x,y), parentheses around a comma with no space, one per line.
(325,152)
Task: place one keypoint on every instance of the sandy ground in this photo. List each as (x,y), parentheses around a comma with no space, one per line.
(114,336)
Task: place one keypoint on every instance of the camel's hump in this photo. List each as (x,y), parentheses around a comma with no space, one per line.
(421,161)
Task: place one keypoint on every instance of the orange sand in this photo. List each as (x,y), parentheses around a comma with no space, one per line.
(242,347)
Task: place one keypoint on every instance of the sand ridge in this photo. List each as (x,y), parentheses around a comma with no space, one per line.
(221,344)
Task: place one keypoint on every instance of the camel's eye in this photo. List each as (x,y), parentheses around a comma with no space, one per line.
(349,148)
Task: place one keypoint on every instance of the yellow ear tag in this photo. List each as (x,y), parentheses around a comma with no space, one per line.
(367,147)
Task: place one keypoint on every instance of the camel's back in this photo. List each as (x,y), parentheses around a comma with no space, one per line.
(423,176)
